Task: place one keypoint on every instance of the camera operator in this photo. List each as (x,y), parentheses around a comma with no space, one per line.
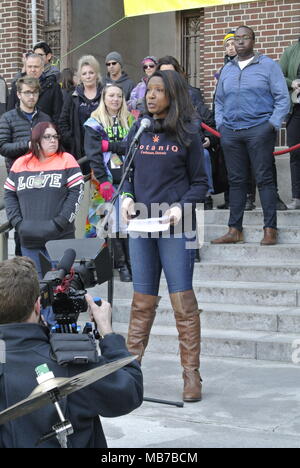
(27,346)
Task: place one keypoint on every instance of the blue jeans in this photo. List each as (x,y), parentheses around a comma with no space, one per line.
(150,256)
(33,254)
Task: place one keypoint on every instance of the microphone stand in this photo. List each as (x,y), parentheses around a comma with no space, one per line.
(104,222)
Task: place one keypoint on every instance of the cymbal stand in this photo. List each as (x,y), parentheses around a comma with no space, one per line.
(62,429)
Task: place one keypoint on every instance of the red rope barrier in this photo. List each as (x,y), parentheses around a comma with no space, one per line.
(277,153)
(293,148)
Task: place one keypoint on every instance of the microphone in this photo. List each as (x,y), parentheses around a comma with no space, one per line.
(65,264)
(145,123)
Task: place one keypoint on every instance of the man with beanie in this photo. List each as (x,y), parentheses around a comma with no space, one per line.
(230,54)
(116,75)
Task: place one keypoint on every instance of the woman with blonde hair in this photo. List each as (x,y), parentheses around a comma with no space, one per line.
(104,146)
(79,105)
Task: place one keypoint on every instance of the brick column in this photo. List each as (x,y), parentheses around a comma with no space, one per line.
(15,33)
(276,24)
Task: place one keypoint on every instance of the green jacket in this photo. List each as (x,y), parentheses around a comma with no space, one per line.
(290,62)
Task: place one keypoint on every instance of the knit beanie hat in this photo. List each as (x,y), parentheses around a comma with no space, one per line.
(228,36)
(115,57)
(148,58)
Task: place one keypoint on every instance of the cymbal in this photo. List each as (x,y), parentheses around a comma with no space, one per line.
(62,387)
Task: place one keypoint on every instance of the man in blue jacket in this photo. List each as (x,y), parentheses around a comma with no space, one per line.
(24,345)
(252,101)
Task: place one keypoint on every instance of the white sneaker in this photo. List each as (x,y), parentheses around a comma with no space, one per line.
(295,205)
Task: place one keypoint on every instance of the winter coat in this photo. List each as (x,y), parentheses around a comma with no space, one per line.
(252,96)
(290,64)
(15,133)
(137,96)
(27,347)
(42,198)
(50,99)
(99,160)
(71,128)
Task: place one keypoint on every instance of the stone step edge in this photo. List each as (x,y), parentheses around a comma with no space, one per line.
(220,334)
(228,308)
(258,285)
(253,226)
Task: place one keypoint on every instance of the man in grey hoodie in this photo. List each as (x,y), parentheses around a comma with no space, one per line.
(116,75)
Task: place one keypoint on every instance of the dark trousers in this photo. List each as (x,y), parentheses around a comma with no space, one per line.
(293,138)
(243,150)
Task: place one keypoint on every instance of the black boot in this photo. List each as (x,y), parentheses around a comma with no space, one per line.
(208,203)
(280,205)
(125,275)
(250,203)
(127,254)
(120,260)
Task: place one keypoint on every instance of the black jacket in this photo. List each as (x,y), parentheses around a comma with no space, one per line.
(15,133)
(27,346)
(50,100)
(69,123)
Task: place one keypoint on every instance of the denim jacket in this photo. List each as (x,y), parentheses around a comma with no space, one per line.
(250,97)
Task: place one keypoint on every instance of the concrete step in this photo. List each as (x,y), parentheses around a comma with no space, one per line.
(229,292)
(225,316)
(254,234)
(205,271)
(251,254)
(224,343)
(255,217)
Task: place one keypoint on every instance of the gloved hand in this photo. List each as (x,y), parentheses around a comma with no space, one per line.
(106,190)
(174,215)
(127,209)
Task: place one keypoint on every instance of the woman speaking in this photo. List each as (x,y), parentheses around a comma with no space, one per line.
(168,169)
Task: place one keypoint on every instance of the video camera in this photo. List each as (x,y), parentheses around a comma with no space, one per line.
(64,287)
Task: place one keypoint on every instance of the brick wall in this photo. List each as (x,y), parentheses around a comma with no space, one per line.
(16,33)
(276,23)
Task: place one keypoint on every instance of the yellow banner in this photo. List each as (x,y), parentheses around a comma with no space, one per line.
(147,7)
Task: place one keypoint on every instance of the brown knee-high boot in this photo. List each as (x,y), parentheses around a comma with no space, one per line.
(187,318)
(143,311)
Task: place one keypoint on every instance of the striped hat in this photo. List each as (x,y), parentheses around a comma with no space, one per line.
(228,36)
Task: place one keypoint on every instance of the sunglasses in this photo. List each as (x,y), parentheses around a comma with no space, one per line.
(149,65)
(109,64)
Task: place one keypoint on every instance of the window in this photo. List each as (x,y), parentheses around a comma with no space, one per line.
(192,46)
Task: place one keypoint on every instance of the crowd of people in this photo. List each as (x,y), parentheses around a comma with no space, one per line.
(52,120)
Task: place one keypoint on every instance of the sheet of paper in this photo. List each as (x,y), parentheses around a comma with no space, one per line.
(149,225)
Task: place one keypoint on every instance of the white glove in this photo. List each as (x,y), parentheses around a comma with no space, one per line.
(174,214)
(127,209)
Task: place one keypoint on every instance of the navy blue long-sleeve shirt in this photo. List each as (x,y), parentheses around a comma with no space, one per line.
(165,171)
